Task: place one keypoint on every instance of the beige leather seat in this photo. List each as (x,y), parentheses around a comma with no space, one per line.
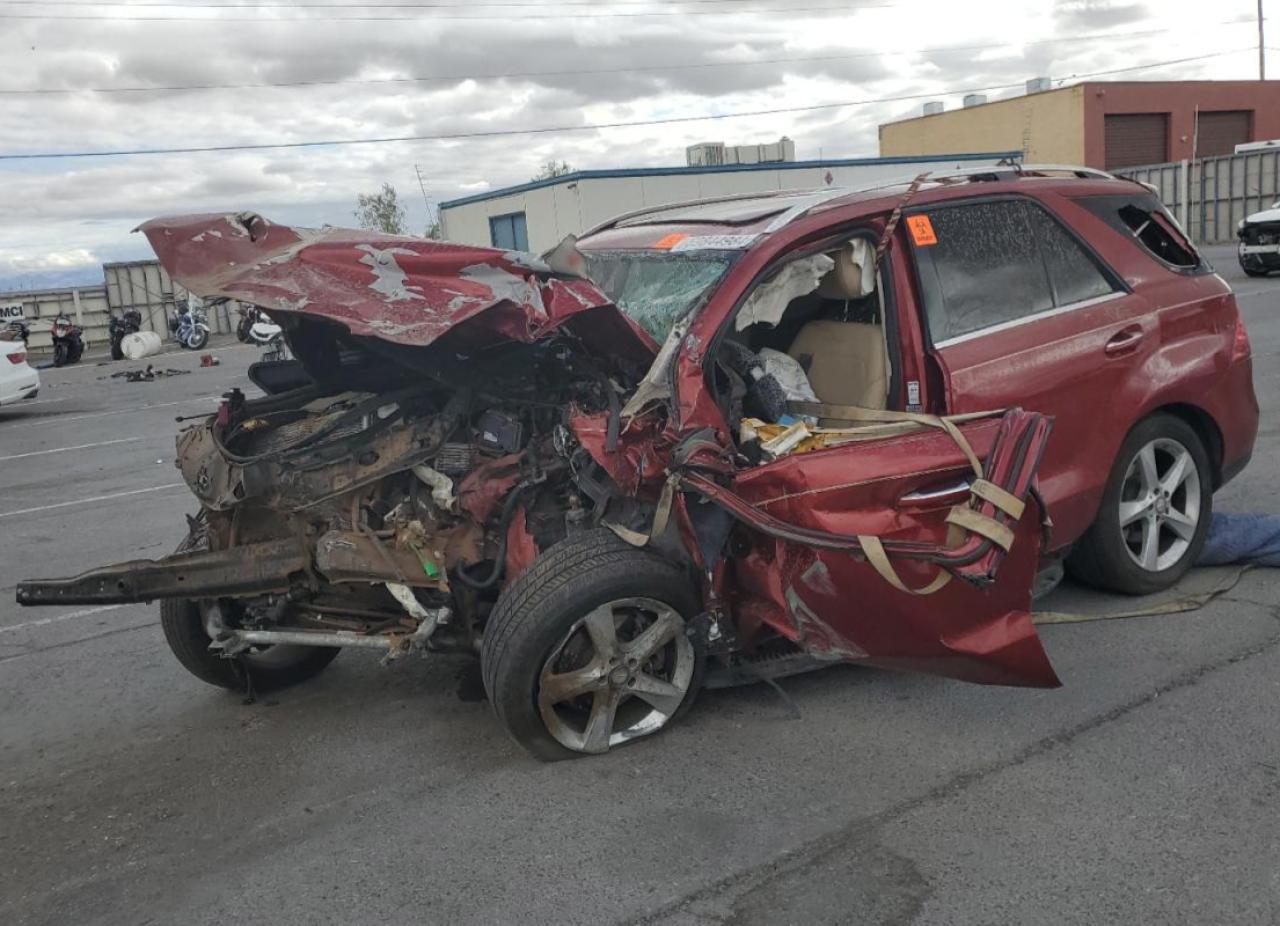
(846,361)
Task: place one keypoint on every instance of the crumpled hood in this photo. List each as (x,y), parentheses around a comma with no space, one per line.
(397,288)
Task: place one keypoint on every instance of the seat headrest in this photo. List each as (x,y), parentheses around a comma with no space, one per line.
(854,274)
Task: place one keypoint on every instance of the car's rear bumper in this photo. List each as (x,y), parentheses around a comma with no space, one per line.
(20,387)
(1233,406)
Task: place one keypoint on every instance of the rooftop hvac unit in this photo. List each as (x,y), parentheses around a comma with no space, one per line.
(1039,85)
(974,99)
(933,107)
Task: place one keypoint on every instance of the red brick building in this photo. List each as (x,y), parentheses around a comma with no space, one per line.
(1101,124)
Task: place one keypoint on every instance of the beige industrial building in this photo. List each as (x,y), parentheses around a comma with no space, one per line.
(536,216)
(1107,125)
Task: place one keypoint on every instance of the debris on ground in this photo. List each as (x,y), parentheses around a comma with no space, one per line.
(208,360)
(1242,538)
(147,375)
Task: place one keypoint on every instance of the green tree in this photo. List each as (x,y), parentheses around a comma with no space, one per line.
(380,211)
(551,170)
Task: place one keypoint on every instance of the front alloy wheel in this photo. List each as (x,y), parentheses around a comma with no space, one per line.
(588,649)
(621,672)
(1160,504)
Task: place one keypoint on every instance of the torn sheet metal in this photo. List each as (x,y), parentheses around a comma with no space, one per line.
(397,288)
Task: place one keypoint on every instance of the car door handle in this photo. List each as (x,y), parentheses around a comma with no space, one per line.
(1123,341)
(927,498)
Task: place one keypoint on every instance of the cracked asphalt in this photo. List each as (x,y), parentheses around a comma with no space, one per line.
(1147,790)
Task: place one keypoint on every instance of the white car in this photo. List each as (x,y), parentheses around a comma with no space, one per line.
(18,379)
(1259,235)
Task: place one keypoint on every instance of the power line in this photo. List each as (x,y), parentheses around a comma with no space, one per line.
(546,130)
(294,20)
(575,72)
(270,4)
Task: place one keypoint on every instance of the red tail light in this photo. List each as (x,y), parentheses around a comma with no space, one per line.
(17,358)
(1240,348)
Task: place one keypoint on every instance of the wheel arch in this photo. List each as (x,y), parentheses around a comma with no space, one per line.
(1206,429)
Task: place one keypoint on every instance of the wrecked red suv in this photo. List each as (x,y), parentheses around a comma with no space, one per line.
(705,444)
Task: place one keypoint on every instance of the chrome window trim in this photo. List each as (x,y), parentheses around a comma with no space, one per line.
(1028,319)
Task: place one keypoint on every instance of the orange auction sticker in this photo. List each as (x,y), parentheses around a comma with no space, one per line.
(921,230)
(670,241)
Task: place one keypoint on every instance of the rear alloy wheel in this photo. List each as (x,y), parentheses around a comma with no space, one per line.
(1160,504)
(588,648)
(1155,512)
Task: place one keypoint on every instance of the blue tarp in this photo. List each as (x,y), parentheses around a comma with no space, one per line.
(1242,538)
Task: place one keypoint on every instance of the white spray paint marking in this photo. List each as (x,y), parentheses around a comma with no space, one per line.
(74,615)
(86,501)
(39,453)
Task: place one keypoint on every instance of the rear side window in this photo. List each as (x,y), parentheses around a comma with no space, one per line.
(1144,219)
(997,262)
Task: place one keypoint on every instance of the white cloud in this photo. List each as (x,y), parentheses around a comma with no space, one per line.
(83,209)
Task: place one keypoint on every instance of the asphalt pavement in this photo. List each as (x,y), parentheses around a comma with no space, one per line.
(1146,790)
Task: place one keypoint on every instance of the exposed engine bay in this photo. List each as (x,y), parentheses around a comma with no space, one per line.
(373,513)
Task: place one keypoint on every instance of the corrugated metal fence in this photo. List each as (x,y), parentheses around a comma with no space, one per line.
(143,285)
(1211,195)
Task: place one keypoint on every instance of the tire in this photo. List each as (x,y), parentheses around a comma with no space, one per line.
(116,352)
(276,667)
(1253,271)
(1117,558)
(59,354)
(543,615)
(273,668)
(199,338)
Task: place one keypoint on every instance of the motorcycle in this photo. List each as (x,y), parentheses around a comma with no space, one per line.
(190,327)
(17,328)
(68,340)
(118,326)
(266,333)
(249,316)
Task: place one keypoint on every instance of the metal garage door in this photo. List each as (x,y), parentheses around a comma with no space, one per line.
(1220,132)
(1136,138)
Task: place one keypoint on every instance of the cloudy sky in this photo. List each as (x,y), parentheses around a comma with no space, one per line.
(93,76)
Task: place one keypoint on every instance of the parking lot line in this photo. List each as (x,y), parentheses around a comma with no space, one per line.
(46,621)
(93,498)
(37,453)
(114,411)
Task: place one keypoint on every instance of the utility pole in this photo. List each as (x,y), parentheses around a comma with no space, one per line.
(427,202)
(1262,50)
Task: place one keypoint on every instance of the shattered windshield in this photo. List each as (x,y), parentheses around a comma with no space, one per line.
(657,288)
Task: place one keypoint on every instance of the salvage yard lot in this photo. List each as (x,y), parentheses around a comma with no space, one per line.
(1145,790)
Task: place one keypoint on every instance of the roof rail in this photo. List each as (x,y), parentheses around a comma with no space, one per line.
(705,201)
(808,199)
(1081,172)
